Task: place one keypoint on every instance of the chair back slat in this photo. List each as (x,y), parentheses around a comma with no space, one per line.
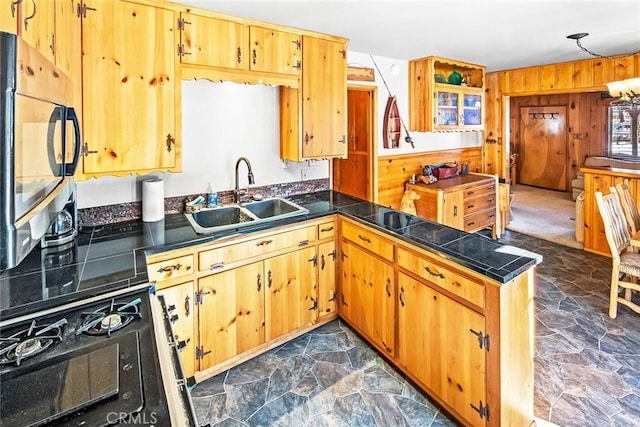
(629,205)
(615,223)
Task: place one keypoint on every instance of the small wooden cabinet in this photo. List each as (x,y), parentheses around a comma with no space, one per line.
(212,42)
(435,105)
(466,202)
(274,51)
(327,254)
(367,298)
(313,119)
(130,89)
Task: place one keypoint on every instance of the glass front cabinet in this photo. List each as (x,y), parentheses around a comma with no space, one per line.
(458,109)
(445,95)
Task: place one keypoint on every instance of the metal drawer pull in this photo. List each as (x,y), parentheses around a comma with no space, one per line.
(471,206)
(366,239)
(264,242)
(324,230)
(217,265)
(401,295)
(169,268)
(322,262)
(187,306)
(303,243)
(387,287)
(259,282)
(269,279)
(437,274)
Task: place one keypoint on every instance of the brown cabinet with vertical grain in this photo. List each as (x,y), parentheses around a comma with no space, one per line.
(313,118)
(130,89)
(437,105)
(327,255)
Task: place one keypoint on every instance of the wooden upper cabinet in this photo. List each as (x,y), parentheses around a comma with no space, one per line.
(129,89)
(321,103)
(37,26)
(274,51)
(8,17)
(436,105)
(211,42)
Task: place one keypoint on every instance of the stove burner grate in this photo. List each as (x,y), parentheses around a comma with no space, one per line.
(29,342)
(110,318)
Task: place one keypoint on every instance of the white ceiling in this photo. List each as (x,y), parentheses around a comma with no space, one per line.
(500,34)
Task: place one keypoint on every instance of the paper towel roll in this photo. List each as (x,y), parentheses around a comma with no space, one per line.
(152,200)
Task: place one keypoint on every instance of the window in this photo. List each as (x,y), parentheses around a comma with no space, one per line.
(623,131)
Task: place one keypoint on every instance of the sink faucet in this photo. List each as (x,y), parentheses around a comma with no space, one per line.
(250,176)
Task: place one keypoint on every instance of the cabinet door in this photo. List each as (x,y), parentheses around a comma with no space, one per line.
(181,298)
(327,295)
(324,98)
(438,344)
(290,294)
(37,26)
(446,109)
(231,314)
(212,42)
(453,209)
(274,51)
(9,17)
(129,88)
(369,296)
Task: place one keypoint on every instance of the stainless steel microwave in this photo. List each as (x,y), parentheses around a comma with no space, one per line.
(39,146)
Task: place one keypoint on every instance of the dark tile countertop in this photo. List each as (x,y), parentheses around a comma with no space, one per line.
(112,256)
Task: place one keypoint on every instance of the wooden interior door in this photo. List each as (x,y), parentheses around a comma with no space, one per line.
(354,175)
(543,147)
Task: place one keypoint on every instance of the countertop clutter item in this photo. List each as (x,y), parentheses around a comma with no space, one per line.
(212,196)
(152,200)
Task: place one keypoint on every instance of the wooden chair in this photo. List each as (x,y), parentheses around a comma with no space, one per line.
(629,205)
(626,263)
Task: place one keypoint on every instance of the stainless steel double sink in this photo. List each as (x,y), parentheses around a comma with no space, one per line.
(223,218)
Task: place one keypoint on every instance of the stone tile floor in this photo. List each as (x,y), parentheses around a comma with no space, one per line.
(587,365)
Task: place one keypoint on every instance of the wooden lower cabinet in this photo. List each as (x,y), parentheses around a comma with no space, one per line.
(180,302)
(231,313)
(438,344)
(290,300)
(368,296)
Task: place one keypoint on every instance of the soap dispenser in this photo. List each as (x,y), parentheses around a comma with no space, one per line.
(212,196)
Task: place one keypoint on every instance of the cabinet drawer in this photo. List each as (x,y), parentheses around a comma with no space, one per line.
(443,277)
(480,220)
(326,230)
(479,203)
(171,268)
(483,188)
(367,239)
(214,259)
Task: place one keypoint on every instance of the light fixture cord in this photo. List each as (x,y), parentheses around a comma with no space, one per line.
(407,138)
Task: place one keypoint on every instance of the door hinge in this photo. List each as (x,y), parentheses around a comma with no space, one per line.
(200,296)
(483,410)
(344,53)
(332,254)
(315,304)
(482,339)
(181,23)
(200,353)
(314,260)
(298,65)
(82,10)
(298,44)
(85,150)
(182,51)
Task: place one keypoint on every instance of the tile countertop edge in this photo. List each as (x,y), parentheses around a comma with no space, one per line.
(522,261)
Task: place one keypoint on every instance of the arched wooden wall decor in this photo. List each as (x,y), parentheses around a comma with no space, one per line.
(391,126)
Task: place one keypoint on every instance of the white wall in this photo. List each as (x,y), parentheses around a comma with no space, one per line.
(224,121)
(221,122)
(399,86)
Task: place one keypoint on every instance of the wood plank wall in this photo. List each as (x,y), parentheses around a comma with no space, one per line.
(586,125)
(394,171)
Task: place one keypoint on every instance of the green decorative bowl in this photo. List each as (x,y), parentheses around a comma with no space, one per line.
(439,78)
(455,78)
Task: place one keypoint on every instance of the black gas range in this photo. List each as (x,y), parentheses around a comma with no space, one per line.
(104,360)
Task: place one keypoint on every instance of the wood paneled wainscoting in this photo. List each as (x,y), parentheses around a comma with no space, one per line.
(394,171)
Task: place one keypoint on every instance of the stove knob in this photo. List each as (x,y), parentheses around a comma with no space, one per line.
(171,308)
(181,345)
(174,318)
